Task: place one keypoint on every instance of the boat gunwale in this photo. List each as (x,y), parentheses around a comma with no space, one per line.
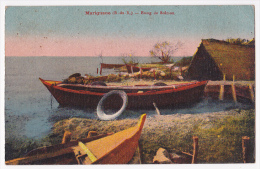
(170,90)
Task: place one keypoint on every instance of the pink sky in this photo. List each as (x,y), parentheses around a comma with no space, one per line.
(68,31)
(59,46)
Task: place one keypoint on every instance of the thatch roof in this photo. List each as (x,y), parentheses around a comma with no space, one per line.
(232,59)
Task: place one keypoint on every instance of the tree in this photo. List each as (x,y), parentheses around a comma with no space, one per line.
(164,50)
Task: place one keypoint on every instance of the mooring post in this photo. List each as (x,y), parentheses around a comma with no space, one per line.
(251,92)
(139,148)
(156,108)
(141,72)
(66,137)
(245,148)
(221,92)
(195,149)
(234,94)
(100,70)
(51,101)
(97,70)
(132,69)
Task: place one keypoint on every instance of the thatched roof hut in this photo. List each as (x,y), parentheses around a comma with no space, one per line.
(215,58)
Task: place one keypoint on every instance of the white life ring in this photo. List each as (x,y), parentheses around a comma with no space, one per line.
(100,111)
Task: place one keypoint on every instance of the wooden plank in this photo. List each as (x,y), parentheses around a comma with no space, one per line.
(91,156)
(37,157)
(251,92)
(66,137)
(221,92)
(139,148)
(245,148)
(234,94)
(81,157)
(54,148)
(195,149)
(156,109)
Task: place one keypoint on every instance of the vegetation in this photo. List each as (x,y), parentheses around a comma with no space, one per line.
(223,141)
(219,134)
(220,140)
(238,41)
(185,61)
(129,59)
(164,50)
(15,147)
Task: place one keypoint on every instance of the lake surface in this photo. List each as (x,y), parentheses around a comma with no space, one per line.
(30,111)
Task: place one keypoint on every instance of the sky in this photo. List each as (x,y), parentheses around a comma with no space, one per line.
(69,31)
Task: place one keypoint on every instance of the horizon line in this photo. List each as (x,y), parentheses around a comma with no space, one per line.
(94,56)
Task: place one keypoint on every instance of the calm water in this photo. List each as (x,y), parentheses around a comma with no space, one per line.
(29,108)
(30,111)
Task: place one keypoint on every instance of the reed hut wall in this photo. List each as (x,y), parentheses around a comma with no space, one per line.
(215,58)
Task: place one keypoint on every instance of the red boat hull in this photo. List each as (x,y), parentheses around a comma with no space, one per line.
(111,66)
(164,97)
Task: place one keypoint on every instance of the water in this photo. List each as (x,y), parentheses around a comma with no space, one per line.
(28,108)
(30,111)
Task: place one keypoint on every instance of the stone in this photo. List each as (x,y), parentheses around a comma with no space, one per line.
(162,157)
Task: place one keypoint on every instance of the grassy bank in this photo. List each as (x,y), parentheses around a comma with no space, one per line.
(219,134)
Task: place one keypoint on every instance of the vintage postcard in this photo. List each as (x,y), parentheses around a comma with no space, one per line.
(130,84)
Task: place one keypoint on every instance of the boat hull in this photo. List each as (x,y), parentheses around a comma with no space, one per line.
(117,148)
(111,66)
(140,99)
(132,68)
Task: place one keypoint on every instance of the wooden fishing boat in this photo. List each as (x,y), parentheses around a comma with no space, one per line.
(133,68)
(117,148)
(139,97)
(111,66)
